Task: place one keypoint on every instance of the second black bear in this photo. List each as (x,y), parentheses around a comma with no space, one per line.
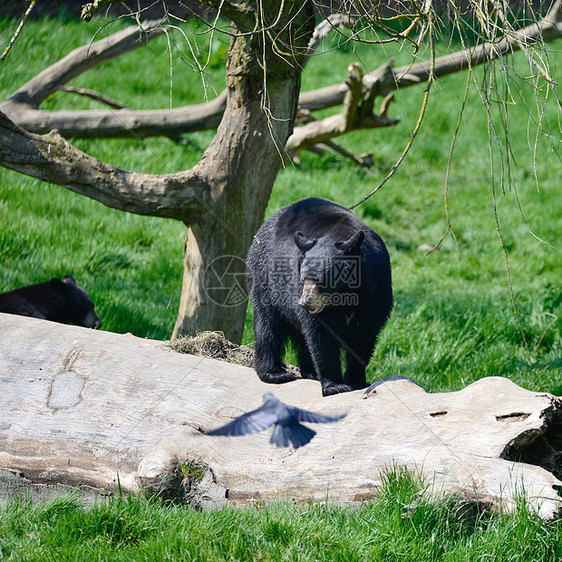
(59,301)
(320,277)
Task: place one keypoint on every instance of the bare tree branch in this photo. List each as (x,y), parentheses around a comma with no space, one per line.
(22,106)
(82,59)
(121,123)
(323,29)
(355,115)
(18,30)
(92,94)
(549,28)
(365,159)
(183,196)
(96,96)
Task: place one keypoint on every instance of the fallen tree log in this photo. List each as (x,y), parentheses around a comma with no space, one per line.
(104,412)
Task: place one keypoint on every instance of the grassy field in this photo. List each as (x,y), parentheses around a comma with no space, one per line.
(135,529)
(453,322)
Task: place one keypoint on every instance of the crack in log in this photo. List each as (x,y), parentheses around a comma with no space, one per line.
(194,426)
(515,417)
(65,390)
(438,414)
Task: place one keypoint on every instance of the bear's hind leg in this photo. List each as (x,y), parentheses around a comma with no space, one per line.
(270,344)
(306,365)
(357,357)
(330,387)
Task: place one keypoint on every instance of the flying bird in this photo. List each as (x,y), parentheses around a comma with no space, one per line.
(285,419)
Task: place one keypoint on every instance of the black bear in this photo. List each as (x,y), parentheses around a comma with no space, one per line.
(60,301)
(320,277)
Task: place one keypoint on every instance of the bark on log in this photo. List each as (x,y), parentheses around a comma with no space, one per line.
(95,410)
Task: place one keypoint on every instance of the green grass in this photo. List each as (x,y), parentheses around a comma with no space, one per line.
(399,525)
(453,322)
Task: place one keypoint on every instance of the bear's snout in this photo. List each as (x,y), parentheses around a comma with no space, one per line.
(311,298)
(91,320)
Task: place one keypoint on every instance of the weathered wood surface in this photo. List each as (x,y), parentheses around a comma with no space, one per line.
(87,408)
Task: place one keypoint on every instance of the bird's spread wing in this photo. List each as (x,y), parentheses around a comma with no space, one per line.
(311,417)
(251,422)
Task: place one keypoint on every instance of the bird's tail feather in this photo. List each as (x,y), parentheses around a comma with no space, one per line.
(279,436)
(300,434)
(295,433)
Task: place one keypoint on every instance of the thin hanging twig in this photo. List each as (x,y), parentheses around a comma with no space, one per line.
(18,30)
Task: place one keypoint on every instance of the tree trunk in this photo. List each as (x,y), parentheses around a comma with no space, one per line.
(223,198)
(241,164)
(102,413)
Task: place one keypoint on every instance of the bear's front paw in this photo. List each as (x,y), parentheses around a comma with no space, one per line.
(278,377)
(329,388)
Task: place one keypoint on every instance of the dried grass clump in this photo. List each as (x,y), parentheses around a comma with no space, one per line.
(214,345)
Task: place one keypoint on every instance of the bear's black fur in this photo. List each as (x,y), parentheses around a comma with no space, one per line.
(320,277)
(59,301)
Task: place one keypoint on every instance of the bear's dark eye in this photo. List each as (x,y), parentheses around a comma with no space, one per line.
(310,277)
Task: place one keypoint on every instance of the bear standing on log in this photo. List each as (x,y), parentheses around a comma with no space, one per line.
(320,277)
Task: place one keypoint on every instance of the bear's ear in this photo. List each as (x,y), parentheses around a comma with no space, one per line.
(303,243)
(69,280)
(351,245)
(58,285)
